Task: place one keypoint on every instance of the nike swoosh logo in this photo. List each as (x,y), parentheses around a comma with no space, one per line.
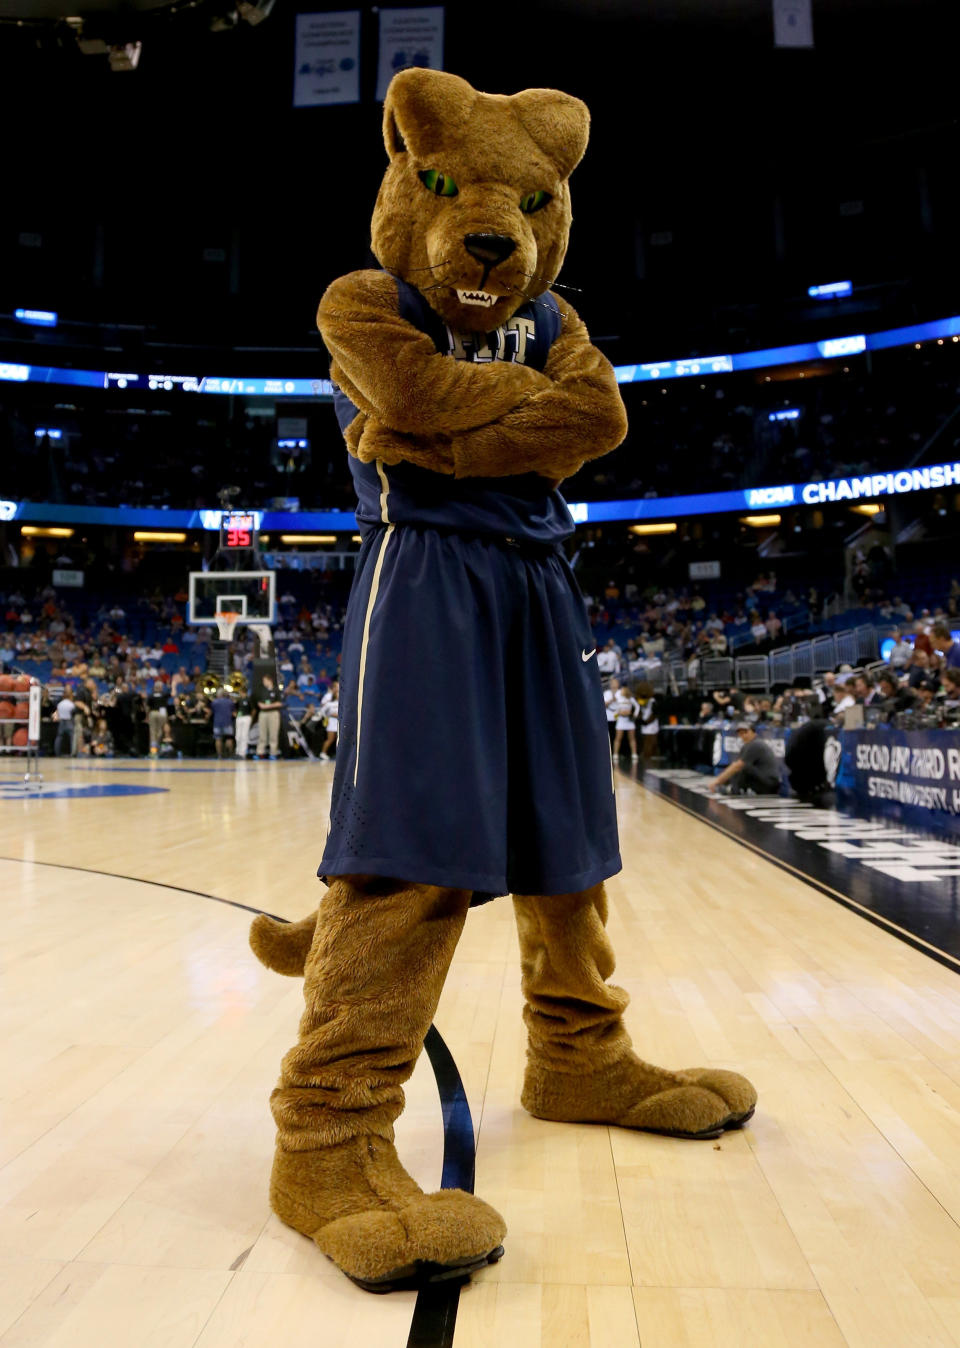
(585,655)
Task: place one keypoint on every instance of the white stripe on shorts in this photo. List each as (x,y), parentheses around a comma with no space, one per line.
(374,590)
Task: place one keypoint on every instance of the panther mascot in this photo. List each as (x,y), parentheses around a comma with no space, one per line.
(474,759)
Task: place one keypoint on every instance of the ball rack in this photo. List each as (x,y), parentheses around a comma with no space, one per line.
(21,699)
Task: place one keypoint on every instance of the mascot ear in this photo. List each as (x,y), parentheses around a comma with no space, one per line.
(424,110)
(559,123)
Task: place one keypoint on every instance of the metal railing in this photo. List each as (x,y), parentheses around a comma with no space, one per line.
(804,659)
(753,671)
(824,654)
(716,672)
(858,647)
(846,643)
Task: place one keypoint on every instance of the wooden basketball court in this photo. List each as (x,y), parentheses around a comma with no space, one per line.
(140,1040)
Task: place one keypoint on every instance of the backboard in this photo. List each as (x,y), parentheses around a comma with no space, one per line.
(251,594)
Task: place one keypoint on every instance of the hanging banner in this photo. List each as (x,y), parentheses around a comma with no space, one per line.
(409,37)
(326,65)
(793,23)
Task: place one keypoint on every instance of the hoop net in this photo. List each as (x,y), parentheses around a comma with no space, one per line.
(226,622)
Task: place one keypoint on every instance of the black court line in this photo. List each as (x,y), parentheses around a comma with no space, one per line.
(879,900)
(435,1310)
(138,879)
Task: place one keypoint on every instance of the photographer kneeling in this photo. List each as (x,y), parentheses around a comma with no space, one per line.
(755,770)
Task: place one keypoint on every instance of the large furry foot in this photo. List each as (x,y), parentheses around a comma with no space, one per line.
(362,1209)
(698,1103)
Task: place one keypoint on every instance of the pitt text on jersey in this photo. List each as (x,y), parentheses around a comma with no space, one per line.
(508,343)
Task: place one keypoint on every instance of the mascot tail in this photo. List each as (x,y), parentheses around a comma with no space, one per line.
(282,946)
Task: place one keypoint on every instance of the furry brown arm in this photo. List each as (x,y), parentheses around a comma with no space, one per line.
(369,440)
(393,372)
(578,416)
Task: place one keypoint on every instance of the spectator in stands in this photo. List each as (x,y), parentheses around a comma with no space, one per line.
(754,770)
(727,702)
(718,643)
(758,628)
(774,626)
(945,646)
(892,697)
(843,699)
(951,688)
(864,690)
(921,640)
(919,673)
(901,651)
(826,694)
(652,643)
(608,660)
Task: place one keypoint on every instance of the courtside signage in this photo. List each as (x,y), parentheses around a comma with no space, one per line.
(934,477)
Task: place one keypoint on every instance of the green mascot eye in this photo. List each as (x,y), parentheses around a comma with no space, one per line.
(534,201)
(440,184)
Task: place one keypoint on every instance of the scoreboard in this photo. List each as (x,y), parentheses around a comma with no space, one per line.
(238,529)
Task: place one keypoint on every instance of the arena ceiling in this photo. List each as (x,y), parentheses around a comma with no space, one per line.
(721,171)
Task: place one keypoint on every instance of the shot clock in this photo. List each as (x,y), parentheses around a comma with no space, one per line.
(238,531)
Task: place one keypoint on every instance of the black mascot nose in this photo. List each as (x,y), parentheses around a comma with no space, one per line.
(489,248)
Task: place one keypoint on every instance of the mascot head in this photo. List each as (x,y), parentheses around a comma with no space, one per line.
(474,208)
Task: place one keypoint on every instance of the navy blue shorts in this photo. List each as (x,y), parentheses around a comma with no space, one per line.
(473,746)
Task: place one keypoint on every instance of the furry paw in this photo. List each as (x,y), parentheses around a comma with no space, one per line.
(699,1103)
(446,1230)
(362,1209)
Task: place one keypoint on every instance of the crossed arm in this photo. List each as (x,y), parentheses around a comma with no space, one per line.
(471,420)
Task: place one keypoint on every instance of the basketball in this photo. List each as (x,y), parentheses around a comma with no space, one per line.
(6,710)
(20,736)
(21,685)
(6,683)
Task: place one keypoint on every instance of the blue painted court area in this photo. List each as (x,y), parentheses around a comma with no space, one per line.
(15,790)
(159,767)
(147,767)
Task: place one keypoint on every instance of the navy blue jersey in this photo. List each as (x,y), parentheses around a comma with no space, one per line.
(473,745)
(524,506)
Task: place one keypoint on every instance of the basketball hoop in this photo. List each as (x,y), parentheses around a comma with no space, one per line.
(226,622)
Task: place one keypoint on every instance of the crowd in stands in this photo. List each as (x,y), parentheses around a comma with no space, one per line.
(122,661)
(134,674)
(639,631)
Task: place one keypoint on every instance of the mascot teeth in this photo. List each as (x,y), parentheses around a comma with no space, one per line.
(481,297)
